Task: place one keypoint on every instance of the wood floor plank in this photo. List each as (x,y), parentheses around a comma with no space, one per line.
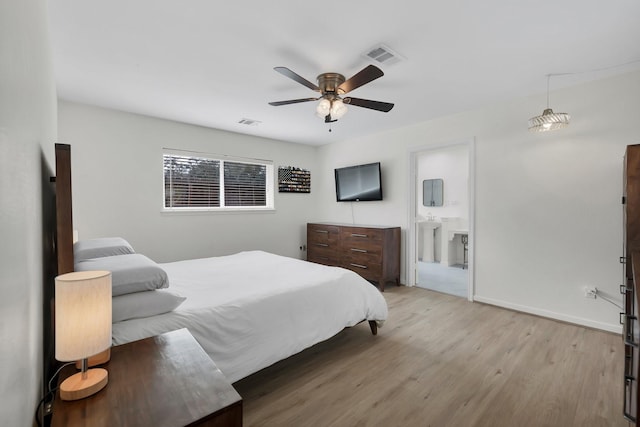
(442,361)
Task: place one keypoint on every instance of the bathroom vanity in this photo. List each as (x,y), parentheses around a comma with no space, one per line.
(442,240)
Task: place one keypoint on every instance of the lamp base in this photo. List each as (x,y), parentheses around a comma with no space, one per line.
(98,359)
(75,387)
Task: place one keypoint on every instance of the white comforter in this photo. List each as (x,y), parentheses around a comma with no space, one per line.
(252,309)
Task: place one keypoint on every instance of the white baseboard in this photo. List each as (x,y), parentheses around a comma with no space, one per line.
(609,327)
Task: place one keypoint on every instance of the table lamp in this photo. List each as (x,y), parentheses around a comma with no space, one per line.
(83,328)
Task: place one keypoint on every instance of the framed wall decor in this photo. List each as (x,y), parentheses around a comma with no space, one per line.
(293,180)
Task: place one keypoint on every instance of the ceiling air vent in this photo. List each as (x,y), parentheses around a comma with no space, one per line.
(249,122)
(383,54)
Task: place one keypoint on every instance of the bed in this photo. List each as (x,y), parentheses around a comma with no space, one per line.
(247,310)
(252,309)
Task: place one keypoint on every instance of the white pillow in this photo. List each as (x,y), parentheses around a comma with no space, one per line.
(102,247)
(129,273)
(144,304)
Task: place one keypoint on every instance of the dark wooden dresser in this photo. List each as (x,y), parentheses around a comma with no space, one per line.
(631,282)
(167,380)
(371,251)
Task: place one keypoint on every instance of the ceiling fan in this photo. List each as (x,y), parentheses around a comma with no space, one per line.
(331,87)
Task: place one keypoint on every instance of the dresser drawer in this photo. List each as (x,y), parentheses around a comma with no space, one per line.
(325,234)
(362,256)
(359,234)
(322,259)
(323,243)
(368,271)
(322,253)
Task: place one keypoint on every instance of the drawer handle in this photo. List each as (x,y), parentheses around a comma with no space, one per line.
(627,332)
(359,250)
(629,342)
(628,361)
(359,265)
(627,395)
(322,244)
(322,231)
(358,235)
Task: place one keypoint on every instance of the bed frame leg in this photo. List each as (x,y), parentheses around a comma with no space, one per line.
(374,327)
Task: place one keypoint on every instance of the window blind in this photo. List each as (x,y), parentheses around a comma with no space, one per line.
(198,182)
(191,182)
(245,184)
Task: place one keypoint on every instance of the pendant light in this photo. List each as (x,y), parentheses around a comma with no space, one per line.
(548,120)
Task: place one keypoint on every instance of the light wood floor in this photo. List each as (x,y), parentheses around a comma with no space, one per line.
(442,361)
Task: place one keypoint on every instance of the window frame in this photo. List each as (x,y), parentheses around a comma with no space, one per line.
(269,182)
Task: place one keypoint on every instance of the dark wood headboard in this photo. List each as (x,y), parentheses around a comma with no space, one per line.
(57,248)
(64,215)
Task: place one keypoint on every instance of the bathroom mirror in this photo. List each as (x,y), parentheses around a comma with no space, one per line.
(432,192)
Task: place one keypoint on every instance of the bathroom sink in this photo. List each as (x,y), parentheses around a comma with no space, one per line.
(427,228)
(429,224)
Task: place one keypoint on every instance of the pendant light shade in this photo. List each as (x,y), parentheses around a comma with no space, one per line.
(548,120)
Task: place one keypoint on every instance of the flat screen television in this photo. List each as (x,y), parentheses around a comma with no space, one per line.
(359,183)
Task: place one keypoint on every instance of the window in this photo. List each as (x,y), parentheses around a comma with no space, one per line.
(206,183)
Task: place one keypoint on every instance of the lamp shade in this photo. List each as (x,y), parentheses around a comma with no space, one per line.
(83,314)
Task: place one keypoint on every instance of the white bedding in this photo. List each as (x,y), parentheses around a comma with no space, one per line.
(252,309)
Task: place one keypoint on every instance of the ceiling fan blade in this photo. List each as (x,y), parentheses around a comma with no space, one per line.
(364,76)
(292,101)
(293,76)
(366,103)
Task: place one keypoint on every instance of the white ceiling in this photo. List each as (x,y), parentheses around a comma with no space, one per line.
(211,63)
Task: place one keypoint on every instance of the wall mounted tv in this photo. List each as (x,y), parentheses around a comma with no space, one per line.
(359,183)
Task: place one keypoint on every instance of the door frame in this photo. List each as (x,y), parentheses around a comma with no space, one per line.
(412,208)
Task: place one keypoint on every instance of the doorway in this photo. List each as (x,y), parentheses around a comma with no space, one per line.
(441,213)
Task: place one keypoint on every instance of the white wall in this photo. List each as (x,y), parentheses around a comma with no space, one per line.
(548,214)
(117,186)
(27,136)
(452,166)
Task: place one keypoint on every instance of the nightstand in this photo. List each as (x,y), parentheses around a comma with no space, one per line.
(166,380)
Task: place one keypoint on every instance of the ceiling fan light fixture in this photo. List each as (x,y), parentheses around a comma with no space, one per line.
(338,109)
(548,120)
(331,87)
(323,108)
